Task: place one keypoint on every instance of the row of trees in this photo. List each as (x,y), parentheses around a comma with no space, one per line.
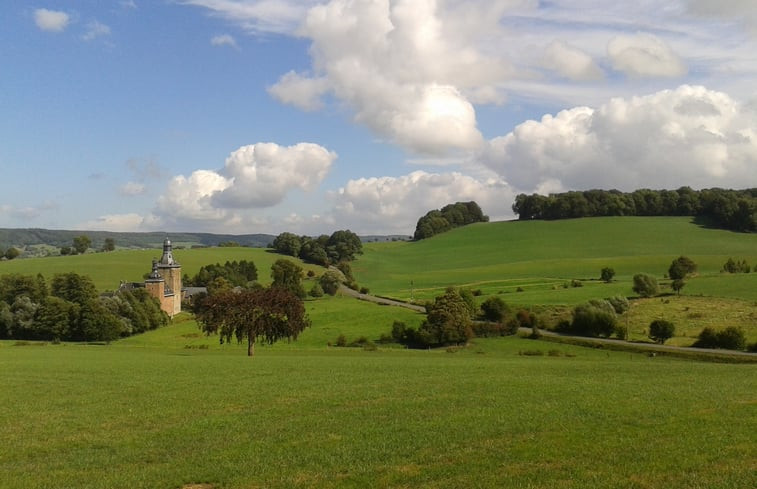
(343,245)
(70,309)
(236,273)
(448,217)
(729,209)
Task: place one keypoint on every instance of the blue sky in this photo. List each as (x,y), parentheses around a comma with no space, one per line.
(247,116)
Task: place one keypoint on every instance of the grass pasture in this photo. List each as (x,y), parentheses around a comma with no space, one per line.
(540,256)
(134,416)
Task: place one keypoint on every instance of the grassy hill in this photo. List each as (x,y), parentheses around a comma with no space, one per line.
(539,257)
(108,269)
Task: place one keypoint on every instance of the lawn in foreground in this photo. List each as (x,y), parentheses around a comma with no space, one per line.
(124,416)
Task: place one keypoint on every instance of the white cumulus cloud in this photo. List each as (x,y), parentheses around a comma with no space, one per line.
(301,91)
(687,136)
(51,20)
(189,198)
(644,55)
(261,174)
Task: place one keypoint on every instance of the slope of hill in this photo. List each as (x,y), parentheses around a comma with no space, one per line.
(543,255)
(58,238)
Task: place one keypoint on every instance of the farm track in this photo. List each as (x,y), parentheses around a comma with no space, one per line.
(649,347)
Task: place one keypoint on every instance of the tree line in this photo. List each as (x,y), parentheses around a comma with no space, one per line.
(448,217)
(70,309)
(735,210)
(341,246)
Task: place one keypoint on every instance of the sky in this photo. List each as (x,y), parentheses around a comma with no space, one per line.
(265,116)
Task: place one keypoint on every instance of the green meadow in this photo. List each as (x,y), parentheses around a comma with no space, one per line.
(173,408)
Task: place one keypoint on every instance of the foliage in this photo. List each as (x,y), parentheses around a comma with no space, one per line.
(677,285)
(449,217)
(681,267)
(12,253)
(330,281)
(109,244)
(269,314)
(607,274)
(619,303)
(645,285)
(316,290)
(341,246)
(237,273)
(729,209)
(729,338)
(595,318)
(81,244)
(72,311)
(494,309)
(661,330)
(448,321)
(732,266)
(288,275)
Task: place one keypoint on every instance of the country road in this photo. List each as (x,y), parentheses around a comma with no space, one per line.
(650,347)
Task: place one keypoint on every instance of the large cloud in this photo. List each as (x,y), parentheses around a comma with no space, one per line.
(394,204)
(688,136)
(409,69)
(261,174)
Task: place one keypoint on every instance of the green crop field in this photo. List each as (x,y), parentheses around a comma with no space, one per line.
(173,408)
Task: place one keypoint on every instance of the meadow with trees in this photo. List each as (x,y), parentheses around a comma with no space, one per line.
(480,320)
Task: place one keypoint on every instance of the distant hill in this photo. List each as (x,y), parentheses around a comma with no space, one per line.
(58,238)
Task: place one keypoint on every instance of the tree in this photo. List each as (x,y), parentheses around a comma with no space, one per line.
(607,274)
(330,281)
(447,321)
(268,314)
(287,275)
(12,253)
(661,330)
(109,245)
(494,309)
(53,320)
(287,244)
(73,287)
(595,318)
(681,267)
(730,338)
(82,243)
(645,285)
(677,285)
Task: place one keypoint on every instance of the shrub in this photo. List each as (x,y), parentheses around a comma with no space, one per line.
(364,290)
(576,283)
(595,318)
(661,330)
(621,332)
(645,285)
(341,340)
(619,303)
(730,338)
(494,309)
(329,282)
(316,290)
(607,274)
(732,266)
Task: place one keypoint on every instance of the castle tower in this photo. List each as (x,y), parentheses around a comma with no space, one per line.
(170,271)
(156,286)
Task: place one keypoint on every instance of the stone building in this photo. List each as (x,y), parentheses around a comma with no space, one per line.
(164,282)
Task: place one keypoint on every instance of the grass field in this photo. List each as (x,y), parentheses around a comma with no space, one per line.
(109,269)
(172,407)
(156,414)
(540,257)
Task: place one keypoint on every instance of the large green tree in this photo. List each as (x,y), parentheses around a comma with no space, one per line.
(645,285)
(248,315)
(448,320)
(82,243)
